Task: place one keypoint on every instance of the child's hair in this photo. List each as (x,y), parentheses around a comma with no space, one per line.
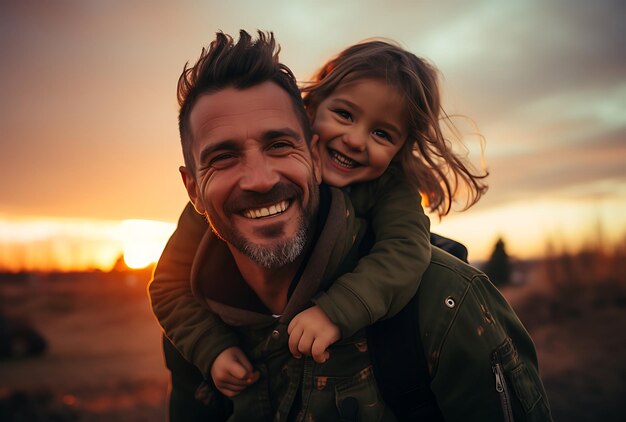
(426,160)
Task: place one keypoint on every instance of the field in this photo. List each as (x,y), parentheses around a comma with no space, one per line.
(104,358)
(104,363)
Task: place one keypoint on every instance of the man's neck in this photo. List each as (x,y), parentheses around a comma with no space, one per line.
(270,285)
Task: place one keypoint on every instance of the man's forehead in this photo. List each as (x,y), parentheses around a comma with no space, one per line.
(252,109)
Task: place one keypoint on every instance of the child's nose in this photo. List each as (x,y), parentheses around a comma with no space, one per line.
(355,140)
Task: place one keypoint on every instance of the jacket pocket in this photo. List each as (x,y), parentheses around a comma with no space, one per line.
(519,383)
(357,398)
(524,387)
(502,389)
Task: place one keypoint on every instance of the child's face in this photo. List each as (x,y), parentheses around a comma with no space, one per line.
(361,127)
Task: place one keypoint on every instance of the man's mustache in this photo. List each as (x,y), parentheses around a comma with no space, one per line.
(240,201)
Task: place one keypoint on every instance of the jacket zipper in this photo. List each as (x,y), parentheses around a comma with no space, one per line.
(502,390)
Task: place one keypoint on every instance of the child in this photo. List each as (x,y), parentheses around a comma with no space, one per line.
(376,109)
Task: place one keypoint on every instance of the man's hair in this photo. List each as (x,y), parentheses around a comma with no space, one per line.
(241,65)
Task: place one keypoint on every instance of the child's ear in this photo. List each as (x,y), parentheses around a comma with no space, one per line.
(192,189)
(315,158)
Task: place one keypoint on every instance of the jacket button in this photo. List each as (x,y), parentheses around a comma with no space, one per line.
(275,334)
(450,303)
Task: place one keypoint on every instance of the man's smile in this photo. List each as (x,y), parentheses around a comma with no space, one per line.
(274,209)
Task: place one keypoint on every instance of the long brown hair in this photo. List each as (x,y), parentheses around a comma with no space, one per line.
(426,160)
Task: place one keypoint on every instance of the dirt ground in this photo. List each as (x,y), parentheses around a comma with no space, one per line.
(104,360)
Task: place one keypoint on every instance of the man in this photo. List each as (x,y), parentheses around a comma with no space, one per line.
(457,351)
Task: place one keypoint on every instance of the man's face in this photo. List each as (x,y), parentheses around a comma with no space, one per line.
(256,179)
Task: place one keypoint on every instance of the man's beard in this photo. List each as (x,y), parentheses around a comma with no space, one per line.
(279,253)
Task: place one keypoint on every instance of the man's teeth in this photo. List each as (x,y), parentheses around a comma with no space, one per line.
(266,211)
(342,160)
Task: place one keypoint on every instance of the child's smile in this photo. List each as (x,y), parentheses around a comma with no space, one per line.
(341,160)
(361,127)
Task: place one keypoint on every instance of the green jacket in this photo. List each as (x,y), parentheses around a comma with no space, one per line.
(478,360)
(290,387)
(386,278)
(355,300)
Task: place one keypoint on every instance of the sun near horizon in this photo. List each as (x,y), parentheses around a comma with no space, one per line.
(143,241)
(80,245)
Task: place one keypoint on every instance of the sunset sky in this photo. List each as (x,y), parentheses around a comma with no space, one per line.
(89,148)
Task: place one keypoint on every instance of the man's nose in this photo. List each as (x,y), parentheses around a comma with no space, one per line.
(259,174)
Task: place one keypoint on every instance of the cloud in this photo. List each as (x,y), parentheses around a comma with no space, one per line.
(586,169)
(517,52)
(88,110)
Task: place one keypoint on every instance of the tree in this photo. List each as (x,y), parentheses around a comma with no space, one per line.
(498,268)
(120,264)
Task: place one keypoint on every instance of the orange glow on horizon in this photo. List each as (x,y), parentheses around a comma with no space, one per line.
(143,242)
(527,228)
(80,245)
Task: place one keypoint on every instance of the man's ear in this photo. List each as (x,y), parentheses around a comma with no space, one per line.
(315,158)
(192,189)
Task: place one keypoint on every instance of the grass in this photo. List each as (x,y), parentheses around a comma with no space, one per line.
(573,302)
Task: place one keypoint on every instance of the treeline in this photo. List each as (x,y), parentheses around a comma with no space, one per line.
(564,283)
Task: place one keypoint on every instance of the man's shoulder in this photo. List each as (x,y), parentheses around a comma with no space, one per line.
(445,285)
(449,292)
(445,269)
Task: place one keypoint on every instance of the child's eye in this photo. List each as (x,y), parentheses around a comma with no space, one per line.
(343,114)
(382,134)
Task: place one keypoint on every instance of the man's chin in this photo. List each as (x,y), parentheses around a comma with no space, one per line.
(272,232)
(276,254)
(271,242)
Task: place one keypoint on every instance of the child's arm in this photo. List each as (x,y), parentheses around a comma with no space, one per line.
(199,334)
(387,278)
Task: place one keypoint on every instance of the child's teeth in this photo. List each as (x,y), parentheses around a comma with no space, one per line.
(343,160)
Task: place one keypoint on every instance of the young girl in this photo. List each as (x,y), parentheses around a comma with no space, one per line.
(376,109)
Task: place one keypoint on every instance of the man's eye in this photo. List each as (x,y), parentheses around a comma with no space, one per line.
(280,145)
(221,159)
(343,114)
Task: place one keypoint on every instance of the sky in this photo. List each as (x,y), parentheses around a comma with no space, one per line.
(89,147)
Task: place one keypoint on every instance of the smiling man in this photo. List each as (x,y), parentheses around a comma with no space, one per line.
(256,182)
(456,352)
(280,238)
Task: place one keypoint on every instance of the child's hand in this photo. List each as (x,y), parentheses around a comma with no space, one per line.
(232,372)
(311,332)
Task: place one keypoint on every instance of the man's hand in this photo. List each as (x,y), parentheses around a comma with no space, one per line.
(232,372)
(311,332)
